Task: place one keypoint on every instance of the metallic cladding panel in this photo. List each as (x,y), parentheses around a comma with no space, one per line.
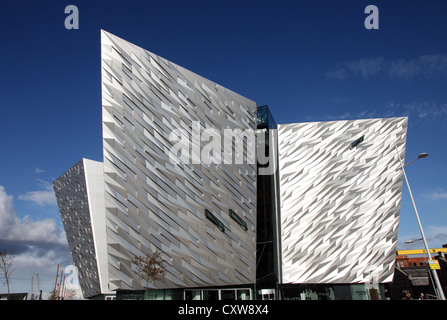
(153,203)
(94,176)
(72,199)
(340,204)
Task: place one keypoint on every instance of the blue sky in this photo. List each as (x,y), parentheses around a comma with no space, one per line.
(307,60)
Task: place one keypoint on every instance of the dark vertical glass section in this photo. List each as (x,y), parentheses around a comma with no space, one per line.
(267,213)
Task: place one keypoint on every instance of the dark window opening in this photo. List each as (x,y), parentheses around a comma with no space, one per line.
(356,142)
(211,217)
(238,219)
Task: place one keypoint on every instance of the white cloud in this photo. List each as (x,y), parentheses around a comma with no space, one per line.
(7,212)
(437,236)
(428,66)
(365,114)
(14,228)
(436,195)
(37,170)
(43,197)
(31,257)
(418,110)
(36,257)
(37,245)
(426,109)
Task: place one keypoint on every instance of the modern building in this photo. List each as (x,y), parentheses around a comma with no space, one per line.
(328,215)
(14,296)
(413,274)
(165,185)
(239,206)
(268,256)
(80,197)
(340,189)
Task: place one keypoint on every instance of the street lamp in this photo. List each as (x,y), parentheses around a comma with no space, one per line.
(435,275)
(422,155)
(413,240)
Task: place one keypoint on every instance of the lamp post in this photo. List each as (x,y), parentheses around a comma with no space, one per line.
(413,240)
(422,155)
(435,275)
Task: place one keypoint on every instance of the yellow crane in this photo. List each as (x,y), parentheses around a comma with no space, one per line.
(420,251)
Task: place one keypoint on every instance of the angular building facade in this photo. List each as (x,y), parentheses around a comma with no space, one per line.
(330,229)
(165,186)
(232,216)
(340,190)
(80,197)
(150,107)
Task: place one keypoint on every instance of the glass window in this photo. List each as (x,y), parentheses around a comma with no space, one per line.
(243,294)
(214,220)
(356,142)
(169,294)
(154,295)
(359,292)
(210,295)
(238,219)
(192,295)
(228,295)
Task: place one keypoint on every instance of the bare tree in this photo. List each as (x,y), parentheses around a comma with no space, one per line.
(6,267)
(150,267)
(71,293)
(53,295)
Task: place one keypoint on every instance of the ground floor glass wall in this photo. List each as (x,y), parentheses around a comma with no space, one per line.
(219,294)
(332,292)
(286,292)
(188,294)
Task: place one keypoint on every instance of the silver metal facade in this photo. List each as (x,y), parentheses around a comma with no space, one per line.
(74,205)
(152,202)
(340,204)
